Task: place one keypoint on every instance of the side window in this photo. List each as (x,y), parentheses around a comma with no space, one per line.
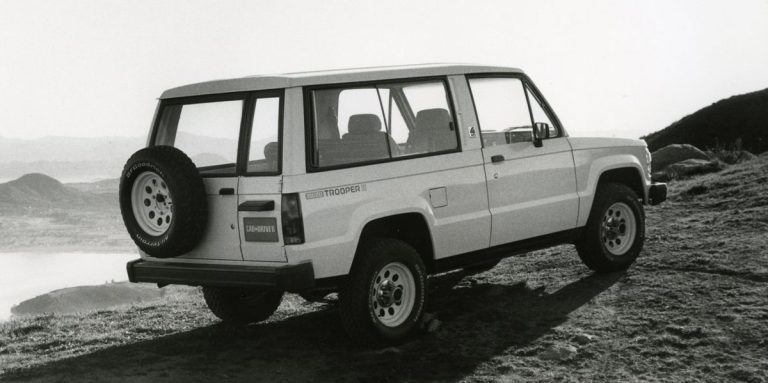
(264,152)
(380,122)
(502,110)
(539,115)
(207,132)
(433,129)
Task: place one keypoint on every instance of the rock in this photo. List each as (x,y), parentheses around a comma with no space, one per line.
(433,325)
(558,352)
(425,319)
(389,350)
(583,338)
(672,154)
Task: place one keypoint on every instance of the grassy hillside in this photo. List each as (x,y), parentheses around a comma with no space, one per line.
(86,298)
(693,308)
(742,118)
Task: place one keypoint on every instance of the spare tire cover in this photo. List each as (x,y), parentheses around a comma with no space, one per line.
(163,201)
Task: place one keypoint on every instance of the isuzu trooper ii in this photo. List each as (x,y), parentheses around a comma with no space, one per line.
(366,181)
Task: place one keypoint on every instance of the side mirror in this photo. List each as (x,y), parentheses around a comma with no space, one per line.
(540,131)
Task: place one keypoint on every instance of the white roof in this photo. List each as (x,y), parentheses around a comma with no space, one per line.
(288,80)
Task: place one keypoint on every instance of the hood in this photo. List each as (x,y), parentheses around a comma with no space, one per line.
(580,143)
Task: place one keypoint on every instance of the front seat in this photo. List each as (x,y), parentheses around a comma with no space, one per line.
(433,132)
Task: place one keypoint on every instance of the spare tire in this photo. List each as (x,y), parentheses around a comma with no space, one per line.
(163,201)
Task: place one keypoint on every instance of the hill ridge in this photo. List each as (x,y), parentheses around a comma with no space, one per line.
(736,122)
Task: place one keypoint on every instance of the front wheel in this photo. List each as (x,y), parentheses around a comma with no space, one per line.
(615,230)
(384,295)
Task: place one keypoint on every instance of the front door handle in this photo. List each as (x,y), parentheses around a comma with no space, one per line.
(227,191)
(256,206)
(497,158)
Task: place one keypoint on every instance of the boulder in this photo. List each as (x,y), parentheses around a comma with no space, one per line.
(675,153)
(558,352)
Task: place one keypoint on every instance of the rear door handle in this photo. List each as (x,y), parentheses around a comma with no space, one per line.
(227,191)
(256,206)
(497,158)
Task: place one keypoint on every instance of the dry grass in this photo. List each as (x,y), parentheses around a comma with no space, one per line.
(693,308)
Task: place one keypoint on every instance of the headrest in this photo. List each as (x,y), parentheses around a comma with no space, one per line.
(270,151)
(364,124)
(436,118)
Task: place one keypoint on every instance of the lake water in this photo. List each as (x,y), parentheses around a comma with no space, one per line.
(27,275)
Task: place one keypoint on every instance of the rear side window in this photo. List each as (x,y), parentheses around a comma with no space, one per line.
(207,132)
(364,124)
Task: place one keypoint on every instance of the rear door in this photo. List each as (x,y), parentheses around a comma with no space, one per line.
(531,190)
(207,129)
(259,198)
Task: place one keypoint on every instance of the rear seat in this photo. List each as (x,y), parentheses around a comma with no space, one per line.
(364,142)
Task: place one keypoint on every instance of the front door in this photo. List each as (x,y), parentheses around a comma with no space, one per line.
(259,193)
(531,190)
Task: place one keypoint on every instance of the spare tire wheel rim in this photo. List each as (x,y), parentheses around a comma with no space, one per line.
(393,294)
(618,229)
(152,203)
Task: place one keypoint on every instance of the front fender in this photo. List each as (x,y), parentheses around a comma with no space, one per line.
(590,164)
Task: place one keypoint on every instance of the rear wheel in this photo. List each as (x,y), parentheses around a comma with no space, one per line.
(242,306)
(383,297)
(615,231)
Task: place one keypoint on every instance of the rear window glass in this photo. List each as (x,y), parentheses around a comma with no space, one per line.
(206,132)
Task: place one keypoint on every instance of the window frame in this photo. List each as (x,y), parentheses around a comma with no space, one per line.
(244,131)
(527,85)
(309,121)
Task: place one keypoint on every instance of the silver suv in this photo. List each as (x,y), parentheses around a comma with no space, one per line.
(364,182)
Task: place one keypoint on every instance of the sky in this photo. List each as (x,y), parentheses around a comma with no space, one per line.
(608,68)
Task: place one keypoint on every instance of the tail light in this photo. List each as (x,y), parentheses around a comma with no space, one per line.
(293,227)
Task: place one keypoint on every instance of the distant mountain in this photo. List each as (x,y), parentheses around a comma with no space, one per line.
(39,191)
(72,159)
(743,117)
(84,160)
(110,185)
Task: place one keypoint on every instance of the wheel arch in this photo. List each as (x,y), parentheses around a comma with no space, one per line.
(628,175)
(410,227)
(592,170)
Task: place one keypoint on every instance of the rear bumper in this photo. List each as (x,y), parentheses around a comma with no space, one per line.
(657,193)
(288,277)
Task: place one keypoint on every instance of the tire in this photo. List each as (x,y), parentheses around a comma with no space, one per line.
(163,201)
(615,230)
(242,306)
(394,271)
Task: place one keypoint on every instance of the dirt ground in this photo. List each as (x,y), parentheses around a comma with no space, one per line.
(693,308)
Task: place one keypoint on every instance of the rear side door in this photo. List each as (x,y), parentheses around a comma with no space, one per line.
(259,190)
(207,129)
(531,190)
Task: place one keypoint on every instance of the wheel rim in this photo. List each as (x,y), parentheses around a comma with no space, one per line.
(393,294)
(152,204)
(618,228)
